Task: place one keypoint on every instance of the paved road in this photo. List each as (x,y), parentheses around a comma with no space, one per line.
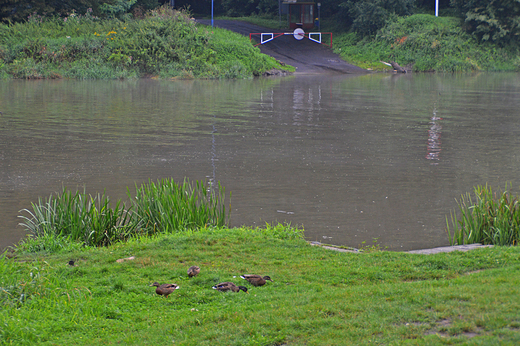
(307,56)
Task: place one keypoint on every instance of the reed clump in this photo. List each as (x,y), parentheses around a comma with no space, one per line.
(168,207)
(66,219)
(488,218)
(79,217)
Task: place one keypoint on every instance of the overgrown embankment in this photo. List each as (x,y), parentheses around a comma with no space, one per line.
(426,43)
(165,44)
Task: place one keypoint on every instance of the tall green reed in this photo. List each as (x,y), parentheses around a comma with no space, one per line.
(65,219)
(166,206)
(79,217)
(490,218)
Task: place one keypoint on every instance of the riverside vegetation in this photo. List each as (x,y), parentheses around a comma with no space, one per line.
(164,44)
(426,43)
(81,294)
(169,44)
(490,218)
(164,207)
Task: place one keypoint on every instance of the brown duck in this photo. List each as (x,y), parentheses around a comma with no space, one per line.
(229,286)
(193,271)
(165,289)
(256,280)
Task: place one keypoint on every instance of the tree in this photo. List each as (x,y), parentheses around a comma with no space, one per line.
(491,20)
(20,10)
(368,16)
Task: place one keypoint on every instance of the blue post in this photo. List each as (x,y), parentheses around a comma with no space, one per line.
(211,13)
(319,16)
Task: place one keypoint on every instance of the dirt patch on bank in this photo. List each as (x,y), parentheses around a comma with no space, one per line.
(307,56)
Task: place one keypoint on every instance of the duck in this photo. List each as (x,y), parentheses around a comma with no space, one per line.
(165,289)
(193,271)
(229,286)
(256,280)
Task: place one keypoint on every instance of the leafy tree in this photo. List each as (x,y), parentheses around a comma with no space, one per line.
(240,7)
(118,7)
(491,20)
(368,16)
(430,4)
(21,10)
(199,7)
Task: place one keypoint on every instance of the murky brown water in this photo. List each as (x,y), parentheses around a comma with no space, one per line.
(350,158)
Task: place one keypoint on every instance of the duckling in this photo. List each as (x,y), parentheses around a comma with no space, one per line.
(193,271)
(229,286)
(256,280)
(165,289)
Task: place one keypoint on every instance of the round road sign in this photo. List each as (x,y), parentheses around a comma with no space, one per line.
(299,34)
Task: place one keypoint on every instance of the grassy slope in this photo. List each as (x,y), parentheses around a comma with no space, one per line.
(428,43)
(166,44)
(319,297)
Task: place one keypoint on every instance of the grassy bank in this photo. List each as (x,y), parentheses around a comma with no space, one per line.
(165,44)
(318,297)
(426,43)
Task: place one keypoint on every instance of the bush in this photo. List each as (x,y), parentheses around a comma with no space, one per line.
(368,16)
(497,21)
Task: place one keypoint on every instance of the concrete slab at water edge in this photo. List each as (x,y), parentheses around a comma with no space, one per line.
(464,248)
(432,251)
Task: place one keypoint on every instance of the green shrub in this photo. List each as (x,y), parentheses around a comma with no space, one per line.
(497,21)
(368,16)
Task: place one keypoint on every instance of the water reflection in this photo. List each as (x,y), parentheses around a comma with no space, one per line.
(434,138)
(343,156)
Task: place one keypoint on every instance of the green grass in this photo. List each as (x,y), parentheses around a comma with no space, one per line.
(166,44)
(318,297)
(490,218)
(427,43)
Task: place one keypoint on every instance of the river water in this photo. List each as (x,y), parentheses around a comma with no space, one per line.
(350,158)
